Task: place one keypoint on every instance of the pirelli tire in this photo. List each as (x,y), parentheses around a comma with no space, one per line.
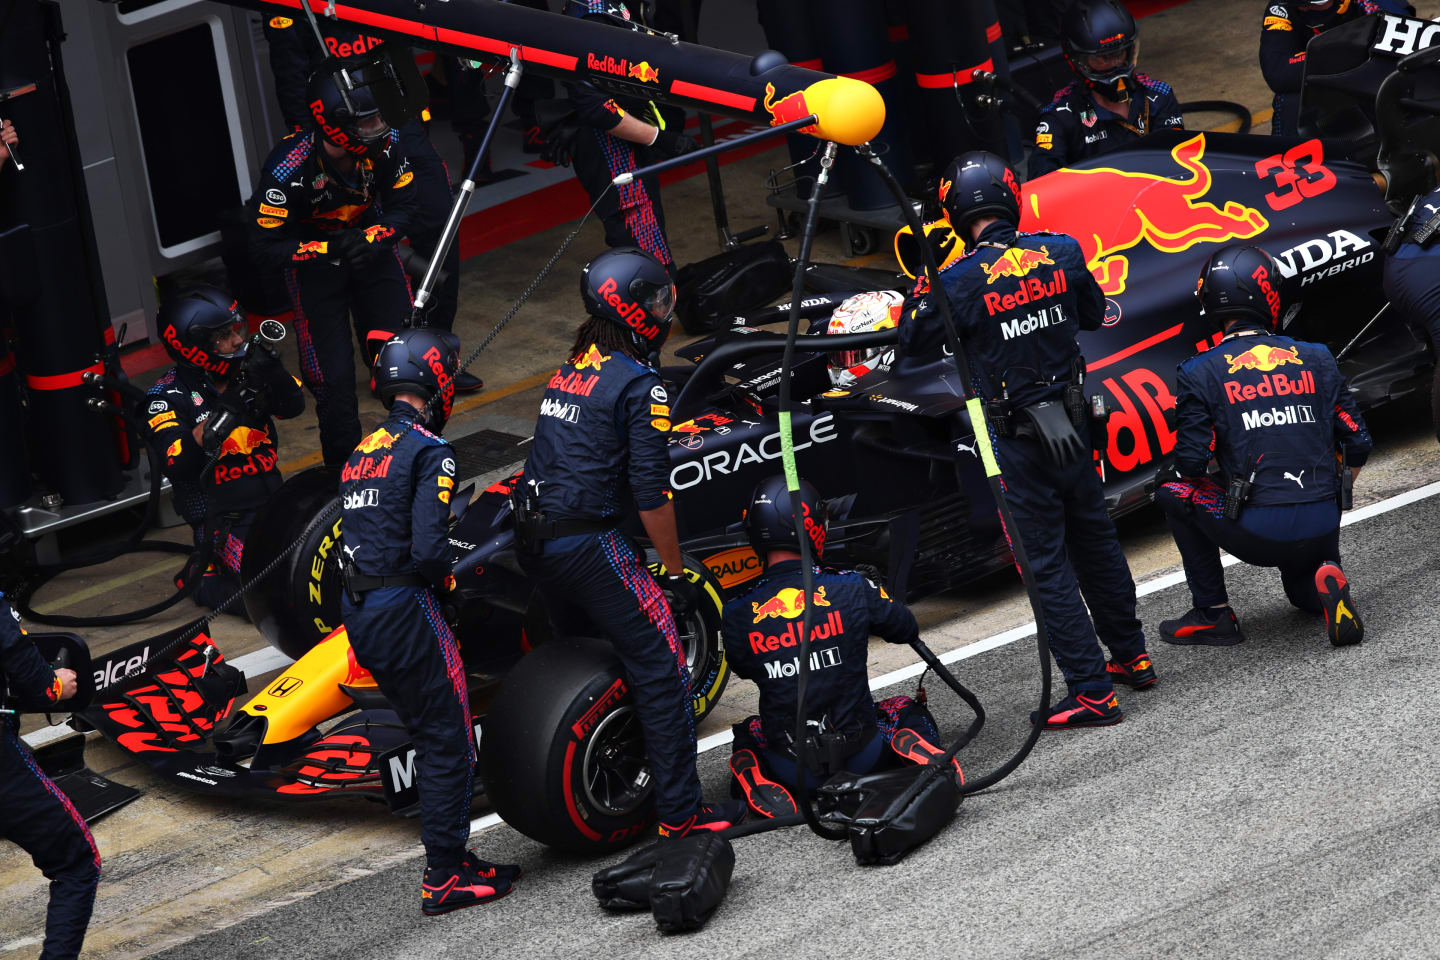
(562,756)
(699,635)
(298,604)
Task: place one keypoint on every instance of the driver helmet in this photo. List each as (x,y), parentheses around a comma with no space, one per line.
(348,118)
(862,313)
(191,323)
(632,290)
(1100,42)
(770,522)
(1241,282)
(420,361)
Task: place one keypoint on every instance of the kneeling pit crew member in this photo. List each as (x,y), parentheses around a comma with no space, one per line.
(1030,372)
(213,416)
(34,813)
(761,630)
(1289,441)
(396,490)
(331,205)
(600,445)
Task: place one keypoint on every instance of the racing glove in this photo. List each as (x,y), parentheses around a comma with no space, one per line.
(353,248)
(673,144)
(684,596)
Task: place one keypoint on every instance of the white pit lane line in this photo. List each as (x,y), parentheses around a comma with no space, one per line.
(263,661)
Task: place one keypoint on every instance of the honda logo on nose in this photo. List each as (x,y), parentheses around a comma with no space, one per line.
(285,686)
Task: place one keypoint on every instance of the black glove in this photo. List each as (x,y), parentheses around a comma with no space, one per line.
(684,596)
(673,144)
(353,248)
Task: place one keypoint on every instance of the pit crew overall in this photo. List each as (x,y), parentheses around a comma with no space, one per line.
(631,214)
(1412,272)
(219,503)
(1072,126)
(600,443)
(1276,409)
(34,814)
(396,490)
(1018,322)
(291,221)
(761,630)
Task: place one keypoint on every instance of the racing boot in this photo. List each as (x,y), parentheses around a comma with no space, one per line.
(763,795)
(1137,673)
(712,816)
(921,752)
(1341,622)
(1081,710)
(1213,627)
(485,870)
(454,888)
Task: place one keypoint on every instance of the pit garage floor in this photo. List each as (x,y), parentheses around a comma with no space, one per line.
(1247,770)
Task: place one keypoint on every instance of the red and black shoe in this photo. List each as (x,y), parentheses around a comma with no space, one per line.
(1081,710)
(1137,673)
(1215,627)
(763,795)
(1341,621)
(920,751)
(485,870)
(712,816)
(454,888)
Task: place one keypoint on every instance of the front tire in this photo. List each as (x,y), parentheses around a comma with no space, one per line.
(700,636)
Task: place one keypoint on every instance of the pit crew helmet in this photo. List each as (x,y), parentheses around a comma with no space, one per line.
(1100,42)
(632,290)
(1318,14)
(420,361)
(862,313)
(193,320)
(769,521)
(1238,282)
(348,118)
(979,184)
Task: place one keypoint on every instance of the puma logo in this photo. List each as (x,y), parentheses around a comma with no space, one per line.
(966,447)
(1299,482)
(350,552)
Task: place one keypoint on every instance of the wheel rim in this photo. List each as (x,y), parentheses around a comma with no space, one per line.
(693,634)
(616,774)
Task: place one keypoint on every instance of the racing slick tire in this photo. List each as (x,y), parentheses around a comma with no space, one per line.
(700,636)
(298,604)
(561,749)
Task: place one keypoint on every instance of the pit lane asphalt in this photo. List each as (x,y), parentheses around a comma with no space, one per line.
(1269,800)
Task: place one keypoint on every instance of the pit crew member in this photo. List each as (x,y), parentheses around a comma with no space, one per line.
(395,490)
(1412,280)
(1286,27)
(34,814)
(599,451)
(850,731)
(1108,104)
(212,416)
(331,205)
(622,134)
(1274,411)
(1018,302)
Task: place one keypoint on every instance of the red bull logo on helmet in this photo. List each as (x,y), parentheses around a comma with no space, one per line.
(333,133)
(1262,356)
(194,353)
(789,603)
(790,107)
(632,313)
(1016,262)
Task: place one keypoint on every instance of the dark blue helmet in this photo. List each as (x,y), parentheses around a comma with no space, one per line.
(631,289)
(770,522)
(191,320)
(1241,281)
(979,184)
(1099,41)
(419,361)
(1318,14)
(348,116)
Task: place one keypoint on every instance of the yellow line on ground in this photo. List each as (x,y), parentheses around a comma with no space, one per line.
(1256,118)
(105,586)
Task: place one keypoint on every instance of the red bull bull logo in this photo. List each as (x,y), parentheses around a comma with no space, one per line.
(645,73)
(381,439)
(310,249)
(591,359)
(790,107)
(1016,262)
(789,603)
(243,441)
(1110,211)
(1262,356)
(945,186)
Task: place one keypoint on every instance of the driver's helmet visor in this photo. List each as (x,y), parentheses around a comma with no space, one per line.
(851,358)
(1111,63)
(659,302)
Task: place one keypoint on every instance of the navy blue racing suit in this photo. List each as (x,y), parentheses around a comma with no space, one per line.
(600,445)
(1073,126)
(292,219)
(219,499)
(1412,273)
(1283,38)
(34,813)
(1272,409)
(1018,323)
(761,631)
(396,490)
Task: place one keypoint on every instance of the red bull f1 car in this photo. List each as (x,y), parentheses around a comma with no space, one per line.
(562,758)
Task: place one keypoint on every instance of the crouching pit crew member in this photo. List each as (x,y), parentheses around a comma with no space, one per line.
(1029,371)
(1289,442)
(34,814)
(396,490)
(762,636)
(599,447)
(212,415)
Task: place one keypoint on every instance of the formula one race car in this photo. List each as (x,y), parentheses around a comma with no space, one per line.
(883,437)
